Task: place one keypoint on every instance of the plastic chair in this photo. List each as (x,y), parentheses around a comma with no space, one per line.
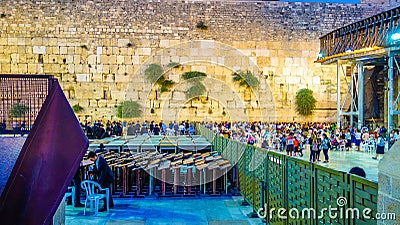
(71,192)
(92,189)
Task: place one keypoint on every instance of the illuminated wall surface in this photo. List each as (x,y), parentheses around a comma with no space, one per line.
(10,148)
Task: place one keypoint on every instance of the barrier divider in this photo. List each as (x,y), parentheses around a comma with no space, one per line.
(306,191)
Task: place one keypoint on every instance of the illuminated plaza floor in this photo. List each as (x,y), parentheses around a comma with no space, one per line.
(168,211)
(222,210)
(344,161)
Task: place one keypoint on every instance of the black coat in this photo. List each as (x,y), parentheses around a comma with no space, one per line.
(104,172)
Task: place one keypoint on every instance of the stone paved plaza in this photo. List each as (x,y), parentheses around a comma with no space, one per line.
(222,210)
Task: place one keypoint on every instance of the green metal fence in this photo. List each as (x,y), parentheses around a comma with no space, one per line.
(305,193)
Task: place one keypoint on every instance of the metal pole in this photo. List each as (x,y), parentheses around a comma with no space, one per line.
(214,182)
(261,183)
(163,181)
(338,94)
(176,180)
(189,179)
(151,181)
(204,181)
(390,95)
(352,97)
(360,85)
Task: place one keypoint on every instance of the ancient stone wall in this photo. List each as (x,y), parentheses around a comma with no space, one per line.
(100,49)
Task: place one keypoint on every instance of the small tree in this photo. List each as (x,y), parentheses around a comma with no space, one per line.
(18,110)
(305,102)
(129,109)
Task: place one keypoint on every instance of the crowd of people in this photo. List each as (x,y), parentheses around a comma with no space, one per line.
(294,138)
(97,130)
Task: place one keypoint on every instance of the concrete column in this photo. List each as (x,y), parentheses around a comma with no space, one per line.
(388,185)
(59,215)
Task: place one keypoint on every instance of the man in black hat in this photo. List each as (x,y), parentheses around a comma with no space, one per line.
(105,176)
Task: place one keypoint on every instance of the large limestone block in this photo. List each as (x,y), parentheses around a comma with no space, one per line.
(6,68)
(83,77)
(39,49)
(3,41)
(388,184)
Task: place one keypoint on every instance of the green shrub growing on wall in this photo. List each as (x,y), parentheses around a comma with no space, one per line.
(193,75)
(77,108)
(18,110)
(201,25)
(246,79)
(166,85)
(173,65)
(129,109)
(197,89)
(305,102)
(154,73)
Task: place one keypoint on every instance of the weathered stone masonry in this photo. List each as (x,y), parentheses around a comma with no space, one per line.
(99,49)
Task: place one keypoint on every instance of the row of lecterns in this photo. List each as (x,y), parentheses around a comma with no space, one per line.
(165,166)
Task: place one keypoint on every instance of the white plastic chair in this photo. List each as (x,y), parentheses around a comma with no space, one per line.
(71,192)
(93,195)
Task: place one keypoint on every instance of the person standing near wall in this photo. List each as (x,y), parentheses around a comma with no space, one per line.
(325,147)
(380,146)
(105,176)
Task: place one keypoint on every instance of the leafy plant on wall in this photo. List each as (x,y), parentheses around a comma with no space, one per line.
(245,79)
(129,109)
(166,85)
(77,108)
(18,110)
(155,74)
(173,65)
(305,102)
(197,88)
(193,75)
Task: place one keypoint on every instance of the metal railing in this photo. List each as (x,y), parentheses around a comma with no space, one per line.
(368,34)
(270,181)
(21,98)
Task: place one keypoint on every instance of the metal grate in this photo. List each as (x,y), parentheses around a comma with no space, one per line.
(21,98)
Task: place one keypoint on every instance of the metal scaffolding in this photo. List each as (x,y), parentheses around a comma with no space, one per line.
(368,42)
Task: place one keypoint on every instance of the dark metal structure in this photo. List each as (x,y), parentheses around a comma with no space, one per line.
(366,35)
(374,43)
(21,97)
